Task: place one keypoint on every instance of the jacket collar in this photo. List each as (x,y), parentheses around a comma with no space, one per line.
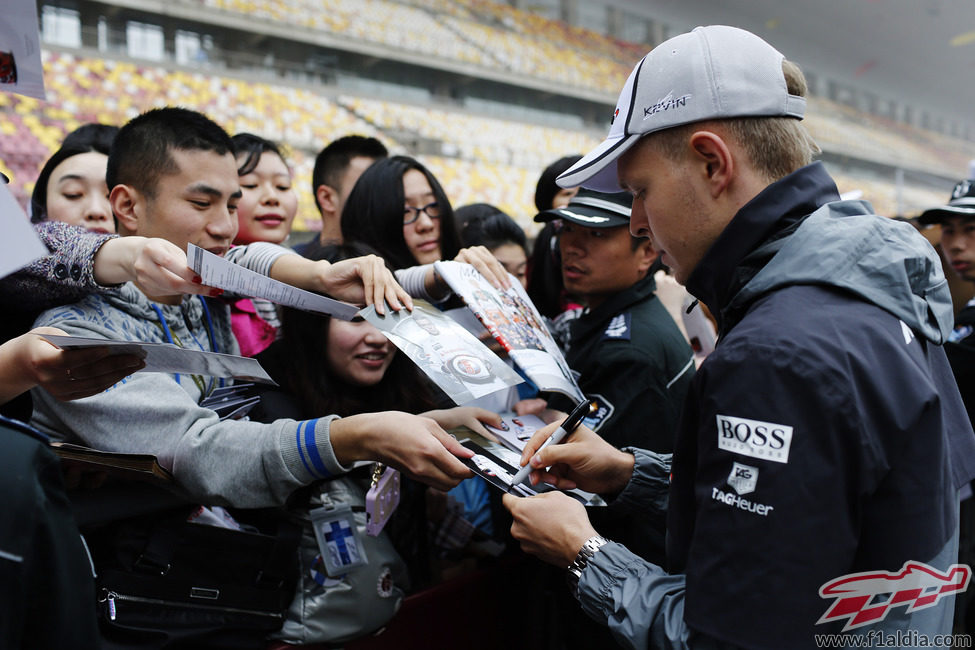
(596,318)
(773,213)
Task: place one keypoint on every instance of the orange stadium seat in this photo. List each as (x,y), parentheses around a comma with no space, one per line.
(497,161)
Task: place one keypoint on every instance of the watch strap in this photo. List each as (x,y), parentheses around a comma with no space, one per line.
(579,564)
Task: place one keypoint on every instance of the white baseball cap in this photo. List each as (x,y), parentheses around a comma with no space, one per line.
(712,72)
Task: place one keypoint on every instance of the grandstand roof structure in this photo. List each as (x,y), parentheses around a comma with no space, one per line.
(921,51)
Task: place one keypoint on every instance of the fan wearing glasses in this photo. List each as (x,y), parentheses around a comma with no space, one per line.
(400,209)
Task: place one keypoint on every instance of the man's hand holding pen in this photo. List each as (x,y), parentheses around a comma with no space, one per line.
(583,460)
(554,526)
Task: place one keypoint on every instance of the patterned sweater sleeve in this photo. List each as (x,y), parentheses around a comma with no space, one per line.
(66,274)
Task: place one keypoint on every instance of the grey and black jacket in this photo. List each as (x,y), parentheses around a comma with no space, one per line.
(823,437)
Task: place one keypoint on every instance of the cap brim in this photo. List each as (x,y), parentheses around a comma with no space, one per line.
(583,217)
(597,169)
(937,215)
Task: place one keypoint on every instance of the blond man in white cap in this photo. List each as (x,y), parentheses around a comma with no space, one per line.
(823,442)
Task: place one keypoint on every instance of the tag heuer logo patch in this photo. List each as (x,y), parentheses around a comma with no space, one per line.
(743,478)
(754,438)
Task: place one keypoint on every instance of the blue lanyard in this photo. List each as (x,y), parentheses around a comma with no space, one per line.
(169,335)
(206,312)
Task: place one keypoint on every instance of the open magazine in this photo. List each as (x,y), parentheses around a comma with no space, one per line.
(447,353)
(513,321)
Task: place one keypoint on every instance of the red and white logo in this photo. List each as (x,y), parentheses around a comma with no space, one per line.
(916,585)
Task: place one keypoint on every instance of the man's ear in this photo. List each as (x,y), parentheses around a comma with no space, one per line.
(647,255)
(327,198)
(127,204)
(713,158)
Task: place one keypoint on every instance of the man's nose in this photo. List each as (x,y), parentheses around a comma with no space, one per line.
(639,224)
(571,244)
(224,224)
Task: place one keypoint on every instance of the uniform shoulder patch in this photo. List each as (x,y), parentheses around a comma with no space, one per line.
(604,411)
(960,333)
(618,328)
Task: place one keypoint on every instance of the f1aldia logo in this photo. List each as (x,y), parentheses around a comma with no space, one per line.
(916,585)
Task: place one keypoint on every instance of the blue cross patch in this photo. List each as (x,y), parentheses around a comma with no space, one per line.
(338,539)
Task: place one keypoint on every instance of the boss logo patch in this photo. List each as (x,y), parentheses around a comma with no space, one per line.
(754,438)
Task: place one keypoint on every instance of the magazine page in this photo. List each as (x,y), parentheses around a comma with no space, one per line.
(20,245)
(497,464)
(144,467)
(166,357)
(446,352)
(514,322)
(21,70)
(516,430)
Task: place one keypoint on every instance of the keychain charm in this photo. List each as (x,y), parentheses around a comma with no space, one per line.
(382,498)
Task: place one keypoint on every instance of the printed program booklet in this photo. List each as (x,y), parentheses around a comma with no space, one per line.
(166,357)
(516,325)
(139,467)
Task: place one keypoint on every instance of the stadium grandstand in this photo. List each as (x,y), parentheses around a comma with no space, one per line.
(485,93)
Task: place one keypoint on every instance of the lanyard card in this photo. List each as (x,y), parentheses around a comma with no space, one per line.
(381,500)
(338,539)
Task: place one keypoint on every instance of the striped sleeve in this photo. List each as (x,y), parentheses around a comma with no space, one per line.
(258,257)
(307,450)
(413,282)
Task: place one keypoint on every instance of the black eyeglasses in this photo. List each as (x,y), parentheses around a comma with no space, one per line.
(411,214)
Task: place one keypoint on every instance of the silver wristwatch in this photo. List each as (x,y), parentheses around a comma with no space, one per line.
(589,549)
